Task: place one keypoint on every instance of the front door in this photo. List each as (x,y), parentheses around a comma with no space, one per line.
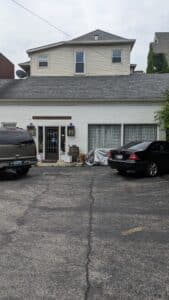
(52,143)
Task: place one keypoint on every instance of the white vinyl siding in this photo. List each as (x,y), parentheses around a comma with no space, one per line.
(97,61)
(104,136)
(140,133)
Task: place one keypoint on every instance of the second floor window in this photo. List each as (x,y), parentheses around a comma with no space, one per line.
(43,61)
(79,62)
(116,58)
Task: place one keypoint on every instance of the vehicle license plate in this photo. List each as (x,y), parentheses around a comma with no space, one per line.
(16,163)
(119,156)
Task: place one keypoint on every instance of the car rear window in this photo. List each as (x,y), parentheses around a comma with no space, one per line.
(140,147)
(129,145)
(15,137)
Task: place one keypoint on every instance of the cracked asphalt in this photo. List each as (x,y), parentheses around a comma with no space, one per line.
(83,234)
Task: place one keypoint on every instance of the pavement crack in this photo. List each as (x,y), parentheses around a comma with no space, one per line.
(89,239)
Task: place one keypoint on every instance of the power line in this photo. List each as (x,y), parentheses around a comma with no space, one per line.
(41,18)
(55,27)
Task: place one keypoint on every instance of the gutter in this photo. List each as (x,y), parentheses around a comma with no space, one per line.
(82,43)
(48,101)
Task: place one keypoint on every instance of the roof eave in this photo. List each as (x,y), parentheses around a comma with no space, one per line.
(67,43)
(98,42)
(45,47)
(6,58)
(24,64)
(47,101)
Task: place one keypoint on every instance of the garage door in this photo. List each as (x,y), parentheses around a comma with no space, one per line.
(104,136)
(139,133)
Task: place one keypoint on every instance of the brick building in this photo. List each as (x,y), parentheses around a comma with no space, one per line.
(6,68)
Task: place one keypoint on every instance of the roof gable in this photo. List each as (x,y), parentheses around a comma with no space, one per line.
(102,35)
(88,39)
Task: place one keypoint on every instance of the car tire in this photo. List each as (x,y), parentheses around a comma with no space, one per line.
(152,169)
(21,171)
(121,172)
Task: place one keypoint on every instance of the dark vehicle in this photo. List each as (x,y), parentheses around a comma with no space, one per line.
(148,157)
(17,150)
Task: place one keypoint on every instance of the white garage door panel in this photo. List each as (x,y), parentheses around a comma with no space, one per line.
(139,133)
(104,136)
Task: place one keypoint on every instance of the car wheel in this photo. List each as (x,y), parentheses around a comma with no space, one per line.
(22,170)
(152,169)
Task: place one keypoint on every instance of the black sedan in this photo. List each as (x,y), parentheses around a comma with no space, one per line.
(148,157)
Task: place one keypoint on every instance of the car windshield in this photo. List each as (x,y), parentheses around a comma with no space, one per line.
(140,147)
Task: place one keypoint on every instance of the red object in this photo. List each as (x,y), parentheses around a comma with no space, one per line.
(133,156)
(6,68)
(109,154)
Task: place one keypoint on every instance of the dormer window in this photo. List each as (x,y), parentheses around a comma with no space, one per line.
(116,58)
(43,61)
(79,62)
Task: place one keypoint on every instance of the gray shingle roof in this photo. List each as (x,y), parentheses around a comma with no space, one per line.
(3,82)
(45,47)
(102,35)
(89,38)
(130,87)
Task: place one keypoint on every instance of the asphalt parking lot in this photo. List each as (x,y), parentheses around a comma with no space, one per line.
(84,233)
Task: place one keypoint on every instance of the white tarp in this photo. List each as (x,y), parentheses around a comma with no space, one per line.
(98,157)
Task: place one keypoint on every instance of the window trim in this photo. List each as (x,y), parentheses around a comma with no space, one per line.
(117,62)
(84,62)
(43,67)
(40,140)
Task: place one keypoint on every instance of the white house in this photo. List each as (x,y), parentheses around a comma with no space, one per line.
(82,92)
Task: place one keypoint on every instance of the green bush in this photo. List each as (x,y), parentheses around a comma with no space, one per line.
(157,63)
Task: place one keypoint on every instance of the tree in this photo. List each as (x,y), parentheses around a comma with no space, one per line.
(162,116)
(160,63)
(150,61)
(156,62)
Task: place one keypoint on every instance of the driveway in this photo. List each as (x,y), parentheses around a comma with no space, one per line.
(84,233)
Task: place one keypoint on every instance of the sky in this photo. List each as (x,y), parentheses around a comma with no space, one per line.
(19,30)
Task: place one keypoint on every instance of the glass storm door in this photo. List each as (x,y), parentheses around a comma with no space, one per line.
(52,143)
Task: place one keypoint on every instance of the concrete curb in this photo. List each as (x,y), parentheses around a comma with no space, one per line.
(59,164)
